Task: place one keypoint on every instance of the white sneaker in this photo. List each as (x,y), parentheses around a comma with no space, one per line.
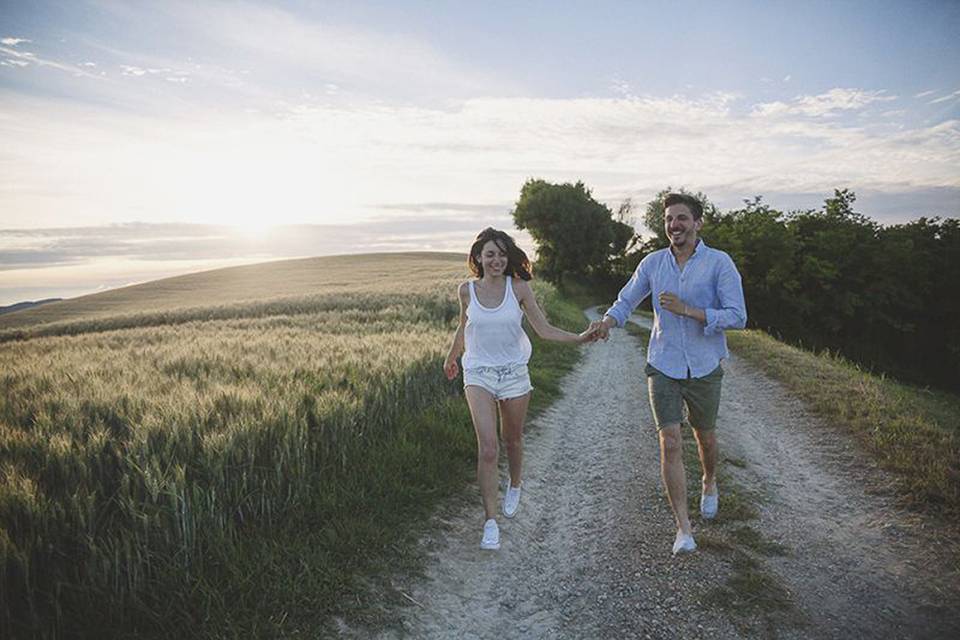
(491,535)
(511,500)
(684,543)
(709,505)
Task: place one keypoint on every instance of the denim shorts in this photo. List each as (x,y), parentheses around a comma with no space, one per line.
(669,397)
(503,383)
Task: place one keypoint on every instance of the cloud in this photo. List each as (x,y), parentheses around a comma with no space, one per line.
(12,42)
(55,247)
(924,94)
(23,248)
(447,207)
(825,104)
(266,51)
(21,58)
(322,162)
(955,94)
(245,55)
(620,87)
(344,55)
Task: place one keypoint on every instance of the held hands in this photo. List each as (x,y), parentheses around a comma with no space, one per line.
(603,329)
(596,331)
(588,335)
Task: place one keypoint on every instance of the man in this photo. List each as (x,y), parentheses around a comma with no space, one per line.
(696,295)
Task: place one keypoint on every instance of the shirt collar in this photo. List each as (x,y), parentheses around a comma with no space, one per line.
(701,247)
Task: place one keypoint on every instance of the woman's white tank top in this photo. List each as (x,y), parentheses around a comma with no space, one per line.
(495,337)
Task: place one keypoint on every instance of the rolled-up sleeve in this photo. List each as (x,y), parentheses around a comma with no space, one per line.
(632,294)
(732,313)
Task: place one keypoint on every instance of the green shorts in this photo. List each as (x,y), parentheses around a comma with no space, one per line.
(701,395)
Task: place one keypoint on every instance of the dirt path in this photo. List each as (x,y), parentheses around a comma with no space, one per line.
(860,566)
(588,554)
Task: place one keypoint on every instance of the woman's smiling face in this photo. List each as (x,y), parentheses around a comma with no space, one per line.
(493,259)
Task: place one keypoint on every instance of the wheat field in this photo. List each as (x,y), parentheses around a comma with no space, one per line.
(148,434)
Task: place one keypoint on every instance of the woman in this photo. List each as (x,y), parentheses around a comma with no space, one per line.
(495,353)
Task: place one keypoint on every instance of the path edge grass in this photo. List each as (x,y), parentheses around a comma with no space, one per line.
(912,432)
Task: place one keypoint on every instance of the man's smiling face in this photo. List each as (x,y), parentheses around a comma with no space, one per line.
(680,225)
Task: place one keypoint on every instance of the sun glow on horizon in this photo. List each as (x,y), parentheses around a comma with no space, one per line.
(253,228)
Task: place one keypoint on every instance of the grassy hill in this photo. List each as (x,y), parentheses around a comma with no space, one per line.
(235,453)
(22,306)
(243,291)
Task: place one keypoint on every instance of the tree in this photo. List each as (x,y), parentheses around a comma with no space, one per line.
(835,270)
(764,250)
(575,234)
(915,325)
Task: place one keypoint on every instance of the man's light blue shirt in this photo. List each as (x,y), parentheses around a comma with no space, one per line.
(682,347)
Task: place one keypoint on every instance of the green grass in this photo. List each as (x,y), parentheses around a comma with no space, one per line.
(580,295)
(752,594)
(759,603)
(915,433)
(551,361)
(312,569)
(752,539)
(241,469)
(139,465)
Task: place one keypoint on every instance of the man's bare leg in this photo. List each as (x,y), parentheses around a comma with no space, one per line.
(707,446)
(674,478)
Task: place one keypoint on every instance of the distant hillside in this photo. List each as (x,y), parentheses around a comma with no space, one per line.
(22,306)
(256,284)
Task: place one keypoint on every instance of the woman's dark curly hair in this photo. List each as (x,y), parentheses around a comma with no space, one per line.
(518,264)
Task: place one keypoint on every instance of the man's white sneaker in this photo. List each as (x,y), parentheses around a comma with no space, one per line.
(709,504)
(491,535)
(684,543)
(511,500)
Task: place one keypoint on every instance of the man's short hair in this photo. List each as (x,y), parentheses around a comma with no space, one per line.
(696,209)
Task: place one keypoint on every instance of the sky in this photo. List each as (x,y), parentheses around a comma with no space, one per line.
(140,140)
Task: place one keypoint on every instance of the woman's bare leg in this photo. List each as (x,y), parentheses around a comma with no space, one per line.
(483,410)
(513,414)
